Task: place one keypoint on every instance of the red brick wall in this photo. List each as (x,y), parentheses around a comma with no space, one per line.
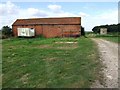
(14,29)
(71,30)
(53,30)
(61,30)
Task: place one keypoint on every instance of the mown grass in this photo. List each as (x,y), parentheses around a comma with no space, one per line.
(49,63)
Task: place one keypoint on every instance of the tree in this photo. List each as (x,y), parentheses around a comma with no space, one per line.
(82,31)
(6,31)
(96,29)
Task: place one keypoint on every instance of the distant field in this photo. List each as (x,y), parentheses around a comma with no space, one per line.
(54,62)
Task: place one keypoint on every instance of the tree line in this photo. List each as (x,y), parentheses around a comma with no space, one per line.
(110,28)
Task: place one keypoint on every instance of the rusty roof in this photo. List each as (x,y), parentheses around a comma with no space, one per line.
(44,21)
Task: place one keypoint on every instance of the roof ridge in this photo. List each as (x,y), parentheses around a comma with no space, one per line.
(49,18)
(59,20)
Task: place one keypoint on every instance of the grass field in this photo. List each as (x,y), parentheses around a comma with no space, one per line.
(49,63)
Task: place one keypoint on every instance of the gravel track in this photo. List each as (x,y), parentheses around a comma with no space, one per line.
(109,57)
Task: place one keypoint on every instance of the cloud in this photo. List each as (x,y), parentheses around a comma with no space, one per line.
(36,12)
(9,12)
(8,8)
(119,12)
(55,8)
(82,14)
(108,17)
(63,14)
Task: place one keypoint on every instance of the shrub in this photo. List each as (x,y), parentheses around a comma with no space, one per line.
(6,32)
(82,31)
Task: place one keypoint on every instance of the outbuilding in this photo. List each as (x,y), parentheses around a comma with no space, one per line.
(103,31)
(48,27)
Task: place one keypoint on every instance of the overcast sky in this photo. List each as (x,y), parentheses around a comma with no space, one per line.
(91,13)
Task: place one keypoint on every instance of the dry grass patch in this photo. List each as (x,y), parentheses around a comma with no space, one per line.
(24,78)
(43,46)
(65,42)
(67,45)
(59,45)
(51,58)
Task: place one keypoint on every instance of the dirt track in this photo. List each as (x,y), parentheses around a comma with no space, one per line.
(109,57)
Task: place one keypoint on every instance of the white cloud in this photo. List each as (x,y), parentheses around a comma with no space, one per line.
(36,12)
(82,14)
(63,14)
(8,8)
(108,17)
(119,12)
(55,8)
(9,12)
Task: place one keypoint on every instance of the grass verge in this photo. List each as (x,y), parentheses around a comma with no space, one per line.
(115,39)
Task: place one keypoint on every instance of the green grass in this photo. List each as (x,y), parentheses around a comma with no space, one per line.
(112,38)
(49,63)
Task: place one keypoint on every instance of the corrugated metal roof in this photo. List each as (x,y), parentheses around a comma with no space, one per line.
(35,21)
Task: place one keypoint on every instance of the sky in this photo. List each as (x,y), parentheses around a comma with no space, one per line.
(91,13)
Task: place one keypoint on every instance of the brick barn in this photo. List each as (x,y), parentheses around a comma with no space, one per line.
(50,27)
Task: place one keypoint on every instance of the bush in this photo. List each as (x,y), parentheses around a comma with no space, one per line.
(82,31)
(6,32)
